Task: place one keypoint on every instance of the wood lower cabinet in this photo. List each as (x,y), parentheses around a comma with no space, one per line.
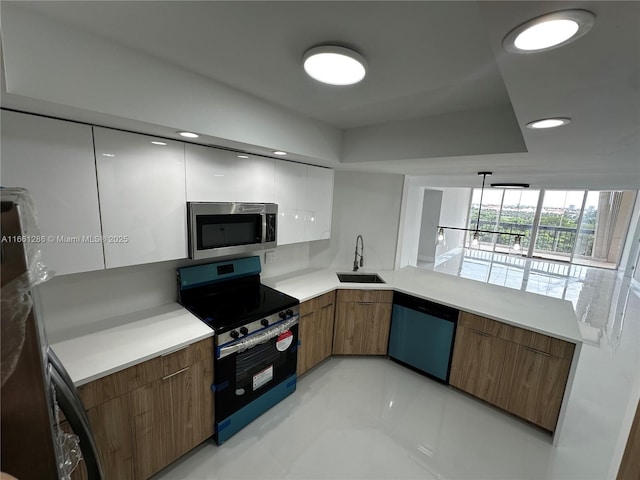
(362,322)
(520,371)
(170,417)
(477,364)
(315,331)
(534,382)
(146,416)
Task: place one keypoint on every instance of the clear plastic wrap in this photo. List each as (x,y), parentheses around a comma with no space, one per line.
(15,296)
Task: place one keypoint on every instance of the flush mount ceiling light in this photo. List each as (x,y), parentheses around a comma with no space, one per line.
(548,123)
(280,152)
(188,134)
(334,65)
(549,31)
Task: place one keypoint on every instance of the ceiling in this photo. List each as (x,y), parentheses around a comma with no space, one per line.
(428,61)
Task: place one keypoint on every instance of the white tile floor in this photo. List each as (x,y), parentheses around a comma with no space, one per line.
(354,418)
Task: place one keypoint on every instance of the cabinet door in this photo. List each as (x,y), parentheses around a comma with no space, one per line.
(290,185)
(535,383)
(142,198)
(318,203)
(255,180)
(325,328)
(211,174)
(191,407)
(111,425)
(316,331)
(476,366)
(152,427)
(361,328)
(171,416)
(54,160)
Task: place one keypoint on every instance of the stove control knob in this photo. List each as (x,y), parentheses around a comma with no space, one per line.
(234,334)
(264,322)
(282,315)
(289,313)
(244,330)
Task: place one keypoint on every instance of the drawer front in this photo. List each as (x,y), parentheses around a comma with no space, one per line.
(495,328)
(119,383)
(326,299)
(553,346)
(363,296)
(180,359)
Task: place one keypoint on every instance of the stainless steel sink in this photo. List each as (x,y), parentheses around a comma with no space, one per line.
(360,278)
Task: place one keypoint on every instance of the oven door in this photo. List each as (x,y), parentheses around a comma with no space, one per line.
(252,366)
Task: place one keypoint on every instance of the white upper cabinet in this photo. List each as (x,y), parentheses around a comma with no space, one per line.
(142,198)
(318,203)
(291,180)
(304,195)
(255,180)
(54,160)
(211,174)
(216,175)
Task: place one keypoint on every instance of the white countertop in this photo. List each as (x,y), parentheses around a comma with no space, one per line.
(140,336)
(128,340)
(542,314)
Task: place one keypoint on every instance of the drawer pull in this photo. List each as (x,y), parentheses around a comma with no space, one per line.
(484,334)
(307,314)
(539,352)
(176,373)
(366,303)
(171,352)
(326,306)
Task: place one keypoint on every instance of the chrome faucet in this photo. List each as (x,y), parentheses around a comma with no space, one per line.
(361,254)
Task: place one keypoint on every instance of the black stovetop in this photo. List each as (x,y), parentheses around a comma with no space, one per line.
(228,305)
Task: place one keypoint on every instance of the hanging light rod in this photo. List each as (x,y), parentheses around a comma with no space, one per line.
(476,231)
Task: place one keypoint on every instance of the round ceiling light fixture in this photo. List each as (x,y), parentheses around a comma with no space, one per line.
(548,123)
(334,65)
(549,31)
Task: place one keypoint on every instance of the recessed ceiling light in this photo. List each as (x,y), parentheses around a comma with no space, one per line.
(279,152)
(243,156)
(548,123)
(334,65)
(510,185)
(189,134)
(159,143)
(108,155)
(549,31)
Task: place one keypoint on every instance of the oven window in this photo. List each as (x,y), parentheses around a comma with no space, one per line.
(216,231)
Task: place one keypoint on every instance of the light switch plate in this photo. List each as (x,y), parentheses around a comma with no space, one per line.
(269,257)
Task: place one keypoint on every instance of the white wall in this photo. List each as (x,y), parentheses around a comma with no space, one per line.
(72,305)
(366,204)
(454,213)
(431,202)
(630,258)
(409,233)
(87,72)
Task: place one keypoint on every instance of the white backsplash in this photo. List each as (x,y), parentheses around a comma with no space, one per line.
(73,304)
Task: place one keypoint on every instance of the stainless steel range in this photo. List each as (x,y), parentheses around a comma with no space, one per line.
(256,338)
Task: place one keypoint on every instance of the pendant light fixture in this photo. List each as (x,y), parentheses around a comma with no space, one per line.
(475,239)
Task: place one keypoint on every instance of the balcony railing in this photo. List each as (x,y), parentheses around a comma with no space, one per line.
(551,239)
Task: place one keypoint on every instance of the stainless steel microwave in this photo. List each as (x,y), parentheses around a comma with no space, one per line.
(217,229)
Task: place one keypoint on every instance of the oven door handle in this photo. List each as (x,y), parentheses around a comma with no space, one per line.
(257,338)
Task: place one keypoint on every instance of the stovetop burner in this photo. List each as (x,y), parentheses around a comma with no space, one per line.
(231,303)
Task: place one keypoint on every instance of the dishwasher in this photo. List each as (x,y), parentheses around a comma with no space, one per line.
(422,334)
